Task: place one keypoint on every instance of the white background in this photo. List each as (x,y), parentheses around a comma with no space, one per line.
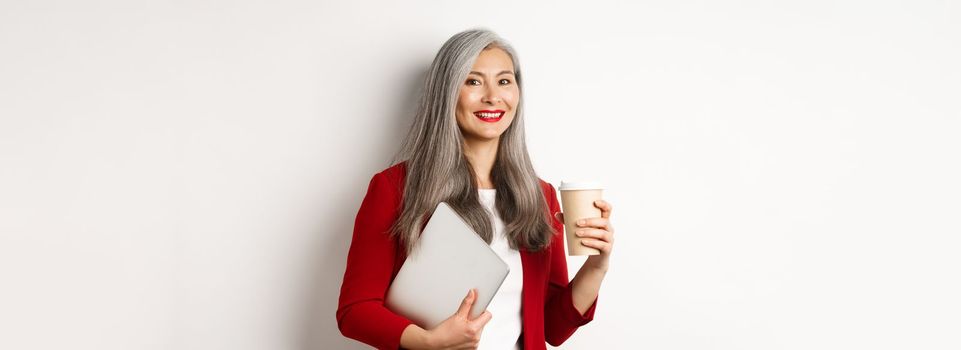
(185,174)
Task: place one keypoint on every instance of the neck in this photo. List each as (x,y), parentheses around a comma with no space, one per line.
(481,155)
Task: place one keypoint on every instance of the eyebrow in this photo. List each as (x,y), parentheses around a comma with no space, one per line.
(502,72)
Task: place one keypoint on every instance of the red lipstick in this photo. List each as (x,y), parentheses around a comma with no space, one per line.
(489,115)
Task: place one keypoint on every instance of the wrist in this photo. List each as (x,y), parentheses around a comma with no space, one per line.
(415,337)
(429,340)
(596,266)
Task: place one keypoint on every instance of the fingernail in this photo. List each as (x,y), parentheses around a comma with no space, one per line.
(580,222)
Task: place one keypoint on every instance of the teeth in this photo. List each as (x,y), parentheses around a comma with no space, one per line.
(488,115)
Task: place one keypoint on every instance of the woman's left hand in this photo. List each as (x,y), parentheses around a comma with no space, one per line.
(596,233)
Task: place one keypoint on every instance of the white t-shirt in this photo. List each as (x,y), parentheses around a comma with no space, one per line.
(504,329)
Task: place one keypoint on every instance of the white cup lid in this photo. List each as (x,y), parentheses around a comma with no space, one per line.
(580,185)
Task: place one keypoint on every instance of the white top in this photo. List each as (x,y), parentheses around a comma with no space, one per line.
(504,329)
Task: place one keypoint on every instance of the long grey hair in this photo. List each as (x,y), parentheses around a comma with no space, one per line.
(438,170)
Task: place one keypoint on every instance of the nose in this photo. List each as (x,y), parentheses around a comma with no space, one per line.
(490,96)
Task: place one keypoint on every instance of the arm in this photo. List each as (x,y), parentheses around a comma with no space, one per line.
(456,332)
(415,337)
(586,285)
(597,233)
(561,315)
(361,314)
(371,262)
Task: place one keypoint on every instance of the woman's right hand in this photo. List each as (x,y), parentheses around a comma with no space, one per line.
(459,331)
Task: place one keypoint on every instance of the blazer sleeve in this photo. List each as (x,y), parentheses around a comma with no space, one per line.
(561,318)
(361,313)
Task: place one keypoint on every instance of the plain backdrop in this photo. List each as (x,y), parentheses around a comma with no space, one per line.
(185,174)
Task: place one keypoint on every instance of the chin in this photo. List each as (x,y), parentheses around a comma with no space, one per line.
(490,137)
(487,136)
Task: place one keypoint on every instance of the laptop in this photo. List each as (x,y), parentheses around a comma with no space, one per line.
(450,260)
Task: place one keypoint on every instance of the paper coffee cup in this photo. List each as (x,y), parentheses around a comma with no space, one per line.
(577,202)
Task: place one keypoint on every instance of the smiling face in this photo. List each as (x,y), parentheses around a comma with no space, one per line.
(488,96)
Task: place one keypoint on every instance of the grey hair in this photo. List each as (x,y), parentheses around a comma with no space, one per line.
(438,171)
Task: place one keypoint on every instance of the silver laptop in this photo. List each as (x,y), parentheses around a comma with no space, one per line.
(449,261)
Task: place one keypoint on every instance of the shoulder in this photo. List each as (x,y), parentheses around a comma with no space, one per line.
(396,171)
(546,185)
(384,194)
(549,193)
(392,177)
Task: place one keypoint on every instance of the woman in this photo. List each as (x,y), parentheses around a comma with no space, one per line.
(465,146)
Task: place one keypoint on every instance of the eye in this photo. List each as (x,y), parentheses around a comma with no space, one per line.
(505,81)
(473,82)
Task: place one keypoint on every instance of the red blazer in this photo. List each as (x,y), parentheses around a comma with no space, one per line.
(374,258)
